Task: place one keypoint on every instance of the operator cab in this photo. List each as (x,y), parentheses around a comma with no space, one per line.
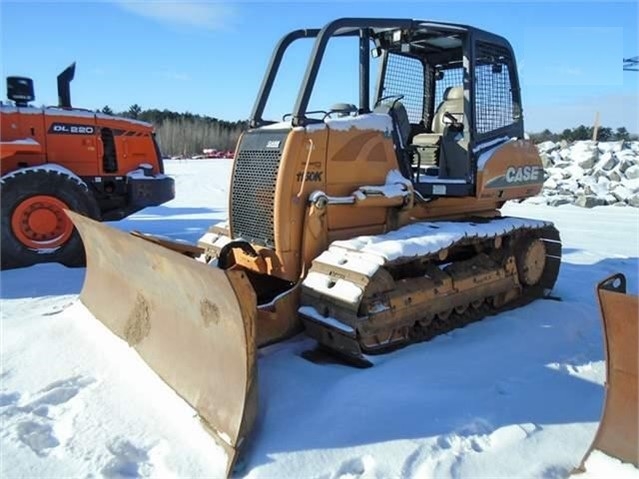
(448,89)
(451,90)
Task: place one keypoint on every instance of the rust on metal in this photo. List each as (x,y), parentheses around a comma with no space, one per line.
(194,325)
(618,432)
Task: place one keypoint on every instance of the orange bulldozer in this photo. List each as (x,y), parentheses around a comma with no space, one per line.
(367,226)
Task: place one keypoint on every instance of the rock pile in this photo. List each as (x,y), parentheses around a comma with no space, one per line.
(590,173)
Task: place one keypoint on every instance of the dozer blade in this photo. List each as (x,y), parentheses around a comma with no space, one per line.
(193,324)
(617,435)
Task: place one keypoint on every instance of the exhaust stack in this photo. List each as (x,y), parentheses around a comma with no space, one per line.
(64,92)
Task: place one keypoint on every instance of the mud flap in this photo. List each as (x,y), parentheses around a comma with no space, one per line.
(617,435)
(193,324)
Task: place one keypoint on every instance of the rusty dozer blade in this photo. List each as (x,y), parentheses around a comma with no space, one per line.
(193,324)
(618,432)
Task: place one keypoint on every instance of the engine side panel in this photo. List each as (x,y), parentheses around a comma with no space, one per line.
(511,170)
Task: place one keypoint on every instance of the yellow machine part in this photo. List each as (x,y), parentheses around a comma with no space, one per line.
(194,325)
(618,432)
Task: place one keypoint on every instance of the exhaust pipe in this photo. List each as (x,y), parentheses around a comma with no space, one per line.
(64,91)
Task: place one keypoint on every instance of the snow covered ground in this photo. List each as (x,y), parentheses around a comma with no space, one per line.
(517,395)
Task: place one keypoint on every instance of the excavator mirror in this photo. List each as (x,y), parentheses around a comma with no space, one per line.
(20,90)
(376,52)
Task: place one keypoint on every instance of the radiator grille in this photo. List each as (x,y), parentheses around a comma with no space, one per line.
(253,193)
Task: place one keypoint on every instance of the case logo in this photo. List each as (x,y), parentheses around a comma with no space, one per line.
(522,174)
(517,176)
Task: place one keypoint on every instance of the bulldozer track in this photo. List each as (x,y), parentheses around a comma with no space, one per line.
(351,332)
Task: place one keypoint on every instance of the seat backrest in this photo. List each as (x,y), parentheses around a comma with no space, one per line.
(453,103)
(398,113)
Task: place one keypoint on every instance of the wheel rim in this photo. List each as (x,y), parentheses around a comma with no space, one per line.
(40,222)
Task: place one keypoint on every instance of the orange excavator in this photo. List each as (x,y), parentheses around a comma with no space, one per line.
(366,226)
(58,158)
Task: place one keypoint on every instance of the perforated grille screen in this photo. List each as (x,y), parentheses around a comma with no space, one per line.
(405,76)
(428,94)
(452,77)
(493,94)
(253,192)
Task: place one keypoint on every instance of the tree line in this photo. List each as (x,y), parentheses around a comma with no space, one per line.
(188,134)
(185,133)
(583,132)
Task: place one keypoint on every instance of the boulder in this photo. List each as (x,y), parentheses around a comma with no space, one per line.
(632,173)
(560,200)
(589,201)
(621,193)
(614,176)
(631,185)
(633,200)
(609,146)
(547,146)
(610,199)
(607,161)
(545,160)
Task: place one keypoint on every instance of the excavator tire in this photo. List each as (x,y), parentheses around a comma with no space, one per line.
(34,226)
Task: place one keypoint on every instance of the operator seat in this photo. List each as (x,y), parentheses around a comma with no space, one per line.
(428,145)
(401,132)
(453,103)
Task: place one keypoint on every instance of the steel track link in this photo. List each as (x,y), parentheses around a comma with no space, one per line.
(350,349)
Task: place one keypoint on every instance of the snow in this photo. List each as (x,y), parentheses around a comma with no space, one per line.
(515,395)
(139,173)
(50,167)
(364,264)
(24,141)
(430,237)
(337,288)
(486,155)
(599,464)
(367,121)
(328,320)
(77,112)
(395,186)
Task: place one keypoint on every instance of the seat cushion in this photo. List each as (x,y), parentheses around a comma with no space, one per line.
(427,139)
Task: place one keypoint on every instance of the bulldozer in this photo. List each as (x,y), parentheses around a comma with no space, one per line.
(367,227)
